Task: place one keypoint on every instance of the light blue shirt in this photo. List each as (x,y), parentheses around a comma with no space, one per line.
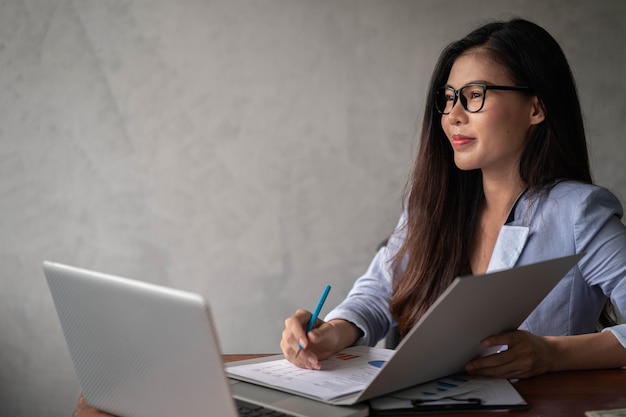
(572,218)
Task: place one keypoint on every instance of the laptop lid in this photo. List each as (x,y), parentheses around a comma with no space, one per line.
(143,350)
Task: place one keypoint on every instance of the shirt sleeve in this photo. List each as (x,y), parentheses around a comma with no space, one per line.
(619,332)
(367,303)
(602,235)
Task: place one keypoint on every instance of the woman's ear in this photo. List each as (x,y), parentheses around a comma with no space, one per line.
(537,113)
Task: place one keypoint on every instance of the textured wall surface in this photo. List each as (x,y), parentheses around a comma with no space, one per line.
(251,151)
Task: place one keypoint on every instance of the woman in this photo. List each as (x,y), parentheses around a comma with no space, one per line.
(501,179)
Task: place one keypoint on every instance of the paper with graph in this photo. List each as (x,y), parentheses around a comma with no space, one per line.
(344,373)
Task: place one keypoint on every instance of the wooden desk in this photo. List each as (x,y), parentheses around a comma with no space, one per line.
(562,394)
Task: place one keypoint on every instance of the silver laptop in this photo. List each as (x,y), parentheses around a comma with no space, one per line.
(143,350)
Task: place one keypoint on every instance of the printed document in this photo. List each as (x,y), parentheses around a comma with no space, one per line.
(344,373)
(488,393)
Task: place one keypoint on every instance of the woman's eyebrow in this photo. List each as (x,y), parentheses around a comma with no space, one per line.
(471,82)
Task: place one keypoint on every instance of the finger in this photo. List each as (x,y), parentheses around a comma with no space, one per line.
(491,365)
(303,358)
(319,333)
(508,371)
(287,343)
(295,343)
(490,358)
(507,338)
(507,364)
(296,325)
(484,362)
(307,359)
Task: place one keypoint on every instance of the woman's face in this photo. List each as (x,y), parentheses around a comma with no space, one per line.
(494,138)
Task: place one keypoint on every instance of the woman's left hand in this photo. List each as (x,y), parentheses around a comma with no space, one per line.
(527,355)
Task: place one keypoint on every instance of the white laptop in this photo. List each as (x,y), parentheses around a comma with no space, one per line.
(446,337)
(142,350)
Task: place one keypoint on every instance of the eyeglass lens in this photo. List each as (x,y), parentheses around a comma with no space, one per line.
(472,98)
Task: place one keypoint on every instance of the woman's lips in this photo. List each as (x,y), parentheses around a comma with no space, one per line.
(460,140)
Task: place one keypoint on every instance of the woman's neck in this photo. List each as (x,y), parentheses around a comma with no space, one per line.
(500,195)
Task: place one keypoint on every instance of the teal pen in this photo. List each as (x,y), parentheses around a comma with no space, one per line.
(316,312)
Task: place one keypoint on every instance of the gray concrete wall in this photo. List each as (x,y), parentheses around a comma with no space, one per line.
(251,151)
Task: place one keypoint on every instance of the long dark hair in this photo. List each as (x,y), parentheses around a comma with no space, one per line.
(443,202)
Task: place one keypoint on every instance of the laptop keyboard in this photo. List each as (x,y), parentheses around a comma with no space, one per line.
(247,409)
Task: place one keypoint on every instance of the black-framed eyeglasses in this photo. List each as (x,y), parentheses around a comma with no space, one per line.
(472,96)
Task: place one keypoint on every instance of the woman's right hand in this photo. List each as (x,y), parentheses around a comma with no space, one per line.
(325,339)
